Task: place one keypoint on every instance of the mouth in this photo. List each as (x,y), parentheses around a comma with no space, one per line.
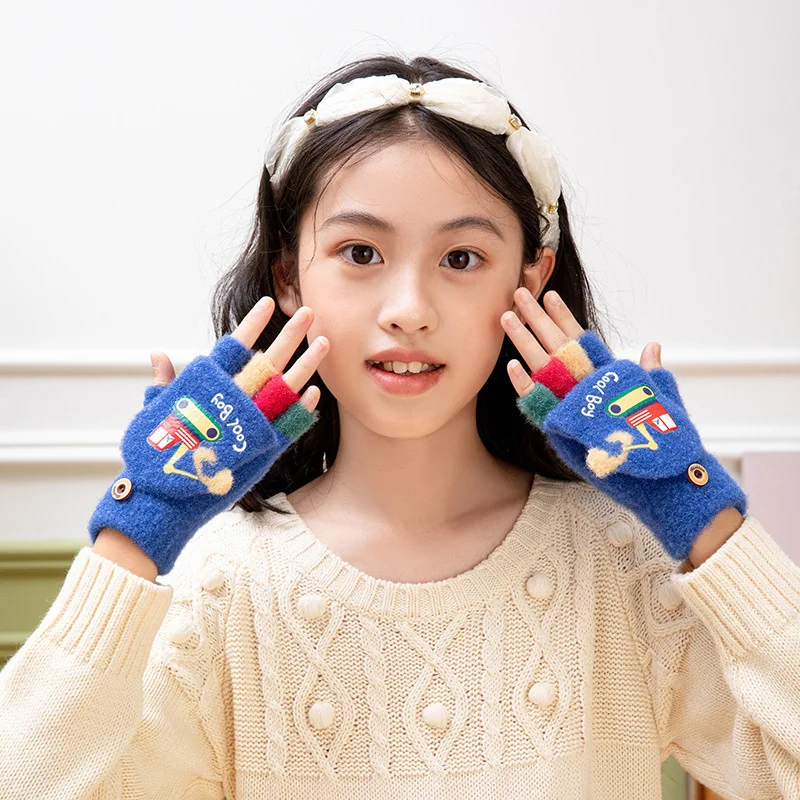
(407,382)
(399,368)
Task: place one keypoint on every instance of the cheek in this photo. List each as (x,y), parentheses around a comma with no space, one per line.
(331,306)
(325,314)
(483,327)
(319,327)
(342,333)
(487,336)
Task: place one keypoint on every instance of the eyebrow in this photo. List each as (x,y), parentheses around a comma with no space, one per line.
(370,220)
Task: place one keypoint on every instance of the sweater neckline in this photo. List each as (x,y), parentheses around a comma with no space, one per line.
(490,579)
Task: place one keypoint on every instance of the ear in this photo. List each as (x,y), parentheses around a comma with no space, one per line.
(535,276)
(286,296)
(288,301)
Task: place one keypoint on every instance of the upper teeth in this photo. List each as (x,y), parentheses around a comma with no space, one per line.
(402,366)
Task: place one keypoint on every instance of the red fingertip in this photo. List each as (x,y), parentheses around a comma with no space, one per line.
(556,377)
(275,397)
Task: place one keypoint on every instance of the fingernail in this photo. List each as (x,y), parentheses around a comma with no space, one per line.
(511,320)
(525,296)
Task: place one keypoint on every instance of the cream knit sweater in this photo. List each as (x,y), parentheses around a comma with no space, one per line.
(568,664)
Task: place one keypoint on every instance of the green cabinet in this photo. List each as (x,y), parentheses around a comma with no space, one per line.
(31,575)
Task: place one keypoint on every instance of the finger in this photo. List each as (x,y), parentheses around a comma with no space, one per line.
(651,356)
(520,379)
(562,316)
(301,371)
(264,365)
(254,322)
(163,371)
(310,398)
(290,338)
(534,354)
(545,329)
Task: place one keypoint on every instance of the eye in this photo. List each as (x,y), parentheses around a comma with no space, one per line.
(362,252)
(464,265)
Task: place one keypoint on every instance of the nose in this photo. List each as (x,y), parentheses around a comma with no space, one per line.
(408,302)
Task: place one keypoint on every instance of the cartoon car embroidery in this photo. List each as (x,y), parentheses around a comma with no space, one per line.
(187,425)
(640,409)
(186,428)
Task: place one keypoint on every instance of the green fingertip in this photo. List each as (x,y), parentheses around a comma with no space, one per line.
(295,421)
(537,404)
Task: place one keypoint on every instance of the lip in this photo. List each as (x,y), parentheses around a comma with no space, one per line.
(404,384)
(406,356)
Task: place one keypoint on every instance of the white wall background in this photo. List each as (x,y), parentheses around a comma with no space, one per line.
(132,143)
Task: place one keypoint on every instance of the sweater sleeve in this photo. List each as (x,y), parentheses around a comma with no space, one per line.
(105,699)
(719,648)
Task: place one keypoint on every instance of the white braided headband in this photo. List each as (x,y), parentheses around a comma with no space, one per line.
(468,101)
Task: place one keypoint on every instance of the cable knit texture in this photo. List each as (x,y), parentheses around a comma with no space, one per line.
(568,664)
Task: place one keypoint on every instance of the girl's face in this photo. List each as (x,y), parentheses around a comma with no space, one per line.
(426,259)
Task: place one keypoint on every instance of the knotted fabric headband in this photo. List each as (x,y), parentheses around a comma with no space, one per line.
(472,102)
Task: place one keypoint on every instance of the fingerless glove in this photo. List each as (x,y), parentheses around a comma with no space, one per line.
(625,430)
(197,446)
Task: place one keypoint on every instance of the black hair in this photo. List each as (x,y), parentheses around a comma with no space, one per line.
(260,268)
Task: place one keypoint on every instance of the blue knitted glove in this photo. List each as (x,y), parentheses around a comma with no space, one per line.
(625,430)
(168,488)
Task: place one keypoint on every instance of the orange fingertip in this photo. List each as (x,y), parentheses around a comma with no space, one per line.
(574,358)
(255,373)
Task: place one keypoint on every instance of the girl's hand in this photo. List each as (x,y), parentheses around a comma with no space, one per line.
(620,426)
(207,436)
(553,327)
(280,352)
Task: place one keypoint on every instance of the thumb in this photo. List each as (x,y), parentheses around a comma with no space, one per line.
(651,356)
(163,371)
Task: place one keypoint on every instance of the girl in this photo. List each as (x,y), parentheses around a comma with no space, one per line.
(457,576)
